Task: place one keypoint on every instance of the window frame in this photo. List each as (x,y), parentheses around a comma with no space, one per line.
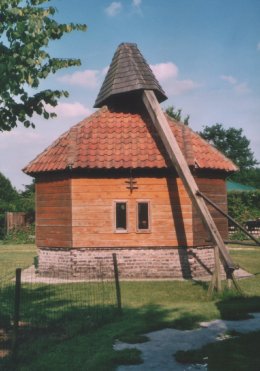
(115,202)
(148,230)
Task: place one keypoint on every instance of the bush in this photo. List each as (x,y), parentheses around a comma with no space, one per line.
(21,236)
(244,206)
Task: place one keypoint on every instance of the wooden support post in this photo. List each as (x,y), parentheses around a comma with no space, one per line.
(217,269)
(180,164)
(17,297)
(117,283)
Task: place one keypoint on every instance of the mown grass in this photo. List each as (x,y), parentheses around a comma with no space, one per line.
(147,306)
(15,256)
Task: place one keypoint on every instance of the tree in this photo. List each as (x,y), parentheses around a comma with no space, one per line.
(176,115)
(250,177)
(232,143)
(8,194)
(26,28)
(11,200)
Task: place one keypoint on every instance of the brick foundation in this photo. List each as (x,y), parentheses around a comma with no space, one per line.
(133,263)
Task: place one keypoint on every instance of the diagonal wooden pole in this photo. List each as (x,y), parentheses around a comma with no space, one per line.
(180,164)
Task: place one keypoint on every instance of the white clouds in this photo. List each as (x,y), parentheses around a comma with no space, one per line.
(104,70)
(242,88)
(239,88)
(17,136)
(116,7)
(86,78)
(164,71)
(229,79)
(258,46)
(70,110)
(167,74)
(113,9)
(180,87)
(136,3)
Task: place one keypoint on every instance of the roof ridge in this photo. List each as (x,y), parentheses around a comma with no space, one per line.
(188,145)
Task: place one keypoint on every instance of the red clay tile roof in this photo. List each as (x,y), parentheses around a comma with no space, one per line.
(112,140)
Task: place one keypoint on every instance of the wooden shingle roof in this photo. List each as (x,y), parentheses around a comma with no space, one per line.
(128,72)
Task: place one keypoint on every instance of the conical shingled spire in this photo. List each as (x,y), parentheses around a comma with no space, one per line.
(128,72)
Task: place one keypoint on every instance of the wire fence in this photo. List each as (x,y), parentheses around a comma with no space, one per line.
(31,305)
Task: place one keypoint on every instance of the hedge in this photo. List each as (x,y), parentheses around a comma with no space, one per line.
(244,206)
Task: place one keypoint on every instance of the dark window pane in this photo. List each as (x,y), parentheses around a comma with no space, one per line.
(121,215)
(143,215)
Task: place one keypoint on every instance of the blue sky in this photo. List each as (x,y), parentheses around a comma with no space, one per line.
(205,53)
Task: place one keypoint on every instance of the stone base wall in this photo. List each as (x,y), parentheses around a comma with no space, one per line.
(133,263)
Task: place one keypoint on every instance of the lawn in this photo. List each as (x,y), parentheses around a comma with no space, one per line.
(15,256)
(146,306)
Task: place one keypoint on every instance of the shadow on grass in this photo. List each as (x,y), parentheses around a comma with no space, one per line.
(237,307)
(240,353)
(65,332)
(76,342)
(50,314)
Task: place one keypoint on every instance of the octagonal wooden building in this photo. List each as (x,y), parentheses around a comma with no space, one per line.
(107,186)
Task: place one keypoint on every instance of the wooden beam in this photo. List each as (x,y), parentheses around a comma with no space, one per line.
(182,168)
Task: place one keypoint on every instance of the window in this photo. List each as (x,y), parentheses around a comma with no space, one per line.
(121,216)
(143,222)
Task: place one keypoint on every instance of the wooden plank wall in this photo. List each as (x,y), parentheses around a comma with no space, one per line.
(215,189)
(53,213)
(79,212)
(93,212)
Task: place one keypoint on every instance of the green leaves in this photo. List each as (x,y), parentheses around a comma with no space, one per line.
(243,206)
(26,28)
(232,143)
(177,115)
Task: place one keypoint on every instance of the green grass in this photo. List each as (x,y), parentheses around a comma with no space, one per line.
(15,256)
(240,353)
(147,306)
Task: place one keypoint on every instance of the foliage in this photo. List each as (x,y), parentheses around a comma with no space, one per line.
(11,200)
(237,235)
(26,28)
(232,143)
(8,197)
(243,206)
(249,177)
(8,192)
(20,236)
(26,199)
(177,115)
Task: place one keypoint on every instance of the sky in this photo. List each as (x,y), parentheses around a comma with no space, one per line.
(205,54)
